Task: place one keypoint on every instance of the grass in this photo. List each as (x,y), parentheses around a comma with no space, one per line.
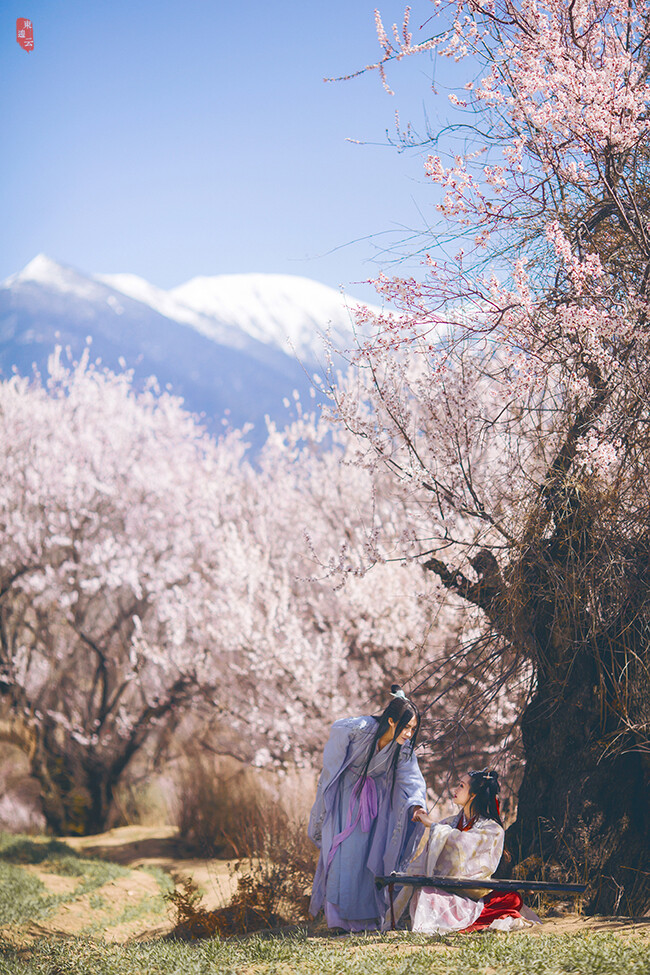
(23,897)
(132,910)
(516,954)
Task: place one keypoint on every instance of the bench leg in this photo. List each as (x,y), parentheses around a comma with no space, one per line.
(392,907)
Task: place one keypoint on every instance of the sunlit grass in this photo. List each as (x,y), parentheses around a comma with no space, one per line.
(600,954)
(23,895)
(23,898)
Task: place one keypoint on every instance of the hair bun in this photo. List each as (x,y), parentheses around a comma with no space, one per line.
(489,779)
(394,688)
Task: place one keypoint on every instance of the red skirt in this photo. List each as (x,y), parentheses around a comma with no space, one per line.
(497,904)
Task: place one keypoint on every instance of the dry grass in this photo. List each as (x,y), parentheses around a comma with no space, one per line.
(233,811)
(217,799)
(273,883)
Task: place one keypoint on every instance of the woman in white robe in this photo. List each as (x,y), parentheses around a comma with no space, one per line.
(468,845)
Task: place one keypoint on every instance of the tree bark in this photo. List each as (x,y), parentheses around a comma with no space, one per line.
(76,787)
(584,800)
(582,814)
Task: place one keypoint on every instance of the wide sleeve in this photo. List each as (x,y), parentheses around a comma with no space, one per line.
(409,791)
(409,780)
(473,853)
(334,756)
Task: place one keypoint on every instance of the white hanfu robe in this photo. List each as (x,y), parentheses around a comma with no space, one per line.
(472,853)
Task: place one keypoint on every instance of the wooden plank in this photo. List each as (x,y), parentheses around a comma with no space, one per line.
(451,883)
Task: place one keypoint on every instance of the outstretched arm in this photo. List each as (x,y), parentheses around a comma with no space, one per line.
(420,815)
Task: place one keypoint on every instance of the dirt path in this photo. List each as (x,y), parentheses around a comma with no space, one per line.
(578,924)
(130,906)
(158,846)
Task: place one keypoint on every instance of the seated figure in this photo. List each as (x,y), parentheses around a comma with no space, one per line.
(467,845)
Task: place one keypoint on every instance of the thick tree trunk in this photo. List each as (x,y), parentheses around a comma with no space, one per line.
(582,816)
(584,803)
(76,789)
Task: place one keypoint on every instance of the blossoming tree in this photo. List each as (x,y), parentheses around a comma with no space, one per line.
(112,508)
(510,393)
(327,518)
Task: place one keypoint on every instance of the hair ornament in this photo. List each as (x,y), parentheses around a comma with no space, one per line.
(399,693)
(486,776)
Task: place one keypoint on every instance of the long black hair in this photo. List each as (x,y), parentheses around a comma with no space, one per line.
(484,788)
(401,710)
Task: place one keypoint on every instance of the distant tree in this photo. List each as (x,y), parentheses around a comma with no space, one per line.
(346,632)
(396,619)
(112,507)
(510,397)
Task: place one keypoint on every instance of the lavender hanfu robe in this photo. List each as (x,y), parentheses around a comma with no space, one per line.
(382,839)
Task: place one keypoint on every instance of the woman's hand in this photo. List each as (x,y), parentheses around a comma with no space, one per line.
(420,815)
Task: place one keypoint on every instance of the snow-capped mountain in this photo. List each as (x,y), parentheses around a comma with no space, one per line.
(235,344)
(289,312)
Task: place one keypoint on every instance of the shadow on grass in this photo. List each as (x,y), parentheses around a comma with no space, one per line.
(26,851)
(147,848)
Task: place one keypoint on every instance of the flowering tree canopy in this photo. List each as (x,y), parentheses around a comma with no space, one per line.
(112,509)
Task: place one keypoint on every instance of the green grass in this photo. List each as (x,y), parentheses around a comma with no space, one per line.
(23,897)
(165,882)
(516,954)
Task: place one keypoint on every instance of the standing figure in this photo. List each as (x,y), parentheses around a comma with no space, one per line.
(368,794)
(467,845)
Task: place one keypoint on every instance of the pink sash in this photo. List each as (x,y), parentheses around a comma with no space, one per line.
(366,812)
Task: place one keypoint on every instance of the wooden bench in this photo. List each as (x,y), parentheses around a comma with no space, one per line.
(459,883)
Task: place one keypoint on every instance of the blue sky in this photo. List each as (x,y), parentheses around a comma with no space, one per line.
(172,140)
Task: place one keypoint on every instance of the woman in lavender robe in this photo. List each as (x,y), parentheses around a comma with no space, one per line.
(369,792)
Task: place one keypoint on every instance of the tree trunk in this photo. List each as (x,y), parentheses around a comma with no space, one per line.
(584,801)
(582,816)
(76,789)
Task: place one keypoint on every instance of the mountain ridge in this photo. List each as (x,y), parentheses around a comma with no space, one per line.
(223,343)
